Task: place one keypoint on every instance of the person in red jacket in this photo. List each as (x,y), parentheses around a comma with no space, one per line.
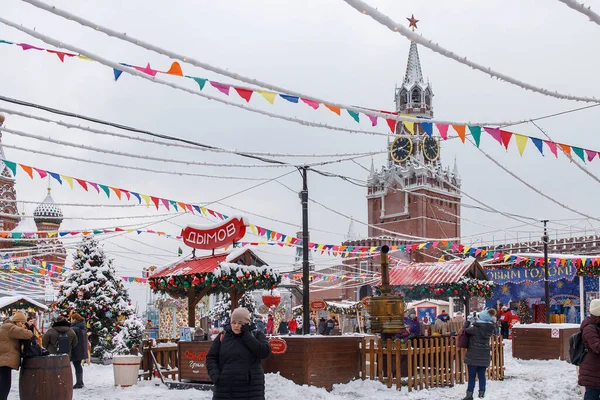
(505,318)
(270,325)
(589,370)
(293,326)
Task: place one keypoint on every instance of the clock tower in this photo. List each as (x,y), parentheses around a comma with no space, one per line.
(414,195)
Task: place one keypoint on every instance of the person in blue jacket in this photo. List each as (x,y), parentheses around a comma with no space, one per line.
(444,317)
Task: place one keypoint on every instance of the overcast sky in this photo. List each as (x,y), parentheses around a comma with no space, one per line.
(322,48)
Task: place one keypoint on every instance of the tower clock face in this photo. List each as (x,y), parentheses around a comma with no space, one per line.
(431,148)
(401,149)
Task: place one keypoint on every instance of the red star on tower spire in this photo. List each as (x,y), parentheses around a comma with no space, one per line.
(412,22)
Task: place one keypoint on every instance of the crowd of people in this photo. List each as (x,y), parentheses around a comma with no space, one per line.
(294,326)
(20,337)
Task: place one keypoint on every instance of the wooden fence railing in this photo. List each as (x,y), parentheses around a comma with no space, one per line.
(166,357)
(423,363)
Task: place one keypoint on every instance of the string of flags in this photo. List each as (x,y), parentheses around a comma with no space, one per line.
(131,279)
(503,137)
(32,265)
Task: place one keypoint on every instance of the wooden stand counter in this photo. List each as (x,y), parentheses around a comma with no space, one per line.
(542,341)
(192,361)
(320,361)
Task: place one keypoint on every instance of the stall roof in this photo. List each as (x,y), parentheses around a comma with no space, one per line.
(438,272)
(204,264)
(19,302)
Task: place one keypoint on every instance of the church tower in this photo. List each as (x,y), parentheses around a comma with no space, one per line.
(414,195)
(48,217)
(9,218)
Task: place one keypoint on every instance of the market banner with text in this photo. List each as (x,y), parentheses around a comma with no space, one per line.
(531,274)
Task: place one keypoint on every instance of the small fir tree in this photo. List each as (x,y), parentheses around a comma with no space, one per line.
(524,312)
(222,309)
(92,289)
(130,337)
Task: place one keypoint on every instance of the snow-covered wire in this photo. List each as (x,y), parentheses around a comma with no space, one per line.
(530,186)
(386,21)
(130,167)
(132,71)
(587,11)
(181,145)
(197,63)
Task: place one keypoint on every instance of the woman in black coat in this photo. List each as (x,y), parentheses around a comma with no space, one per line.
(80,352)
(234,359)
(478,355)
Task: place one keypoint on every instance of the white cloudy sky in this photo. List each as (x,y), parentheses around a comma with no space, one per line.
(322,48)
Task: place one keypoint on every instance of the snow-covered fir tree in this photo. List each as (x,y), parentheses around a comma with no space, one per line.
(93,290)
(130,337)
(222,309)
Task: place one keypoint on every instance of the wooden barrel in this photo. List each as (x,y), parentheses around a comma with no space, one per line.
(46,378)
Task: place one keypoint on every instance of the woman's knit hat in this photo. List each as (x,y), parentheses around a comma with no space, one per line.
(485,316)
(19,317)
(595,307)
(241,314)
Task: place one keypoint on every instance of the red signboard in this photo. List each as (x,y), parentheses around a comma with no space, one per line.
(192,361)
(212,237)
(278,346)
(318,305)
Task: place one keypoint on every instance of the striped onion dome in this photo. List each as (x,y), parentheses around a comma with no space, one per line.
(47,211)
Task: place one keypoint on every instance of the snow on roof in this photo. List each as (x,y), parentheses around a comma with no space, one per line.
(25,225)
(414,304)
(429,273)
(7,301)
(546,326)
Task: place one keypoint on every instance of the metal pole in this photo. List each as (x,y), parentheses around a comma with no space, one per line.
(305,260)
(546,282)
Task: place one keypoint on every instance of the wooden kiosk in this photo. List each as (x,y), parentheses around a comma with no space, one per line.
(196,277)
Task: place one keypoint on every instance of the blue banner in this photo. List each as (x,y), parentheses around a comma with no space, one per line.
(530,274)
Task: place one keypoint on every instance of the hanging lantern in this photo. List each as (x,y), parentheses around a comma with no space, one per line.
(271,298)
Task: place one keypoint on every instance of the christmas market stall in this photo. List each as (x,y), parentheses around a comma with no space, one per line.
(194,278)
(346,313)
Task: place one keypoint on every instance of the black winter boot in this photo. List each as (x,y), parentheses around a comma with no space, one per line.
(481,394)
(79,383)
(469,396)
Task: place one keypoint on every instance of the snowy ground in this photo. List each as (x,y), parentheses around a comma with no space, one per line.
(543,380)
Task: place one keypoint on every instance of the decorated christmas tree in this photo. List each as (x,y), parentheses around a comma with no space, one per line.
(220,312)
(93,290)
(130,337)
(524,312)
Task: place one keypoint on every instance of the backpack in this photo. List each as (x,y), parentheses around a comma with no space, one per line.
(63,344)
(31,348)
(577,350)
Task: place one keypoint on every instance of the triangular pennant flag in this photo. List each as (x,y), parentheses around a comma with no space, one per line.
(26,46)
(552,147)
(311,103)
(197,209)
(11,165)
(105,189)
(117,73)
(137,196)
(117,191)
(245,94)
(95,186)
(538,143)
(443,129)
(291,99)
(476,133)
(184,206)
(221,87)
(174,204)
(269,96)
(146,199)
(155,200)
(495,133)
(334,109)
(521,142)
(27,169)
(147,70)
(68,179)
(165,203)
(506,136)
(41,172)
(200,81)
(373,119)
(354,115)
(175,69)
(590,154)
(392,124)
(566,148)
(460,129)
(579,152)
(82,184)
(428,128)
(126,193)
(410,126)
(55,176)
